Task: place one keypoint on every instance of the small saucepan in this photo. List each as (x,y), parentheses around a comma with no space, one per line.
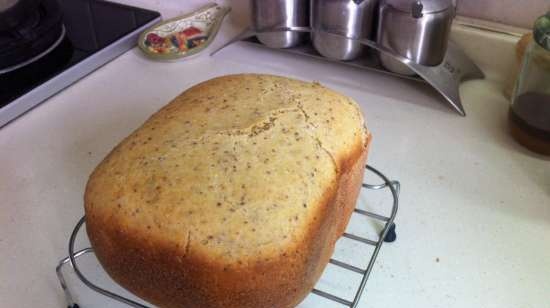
(334,20)
(13,12)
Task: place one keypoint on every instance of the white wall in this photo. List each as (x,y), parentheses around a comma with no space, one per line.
(514,12)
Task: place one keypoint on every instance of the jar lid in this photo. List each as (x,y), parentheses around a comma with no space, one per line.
(421,6)
(541,31)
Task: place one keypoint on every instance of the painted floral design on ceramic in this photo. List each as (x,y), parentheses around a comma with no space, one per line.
(181,41)
(183,36)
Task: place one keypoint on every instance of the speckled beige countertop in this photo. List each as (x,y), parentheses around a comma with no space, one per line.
(474,221)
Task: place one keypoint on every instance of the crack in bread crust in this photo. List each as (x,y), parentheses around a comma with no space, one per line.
(336,167)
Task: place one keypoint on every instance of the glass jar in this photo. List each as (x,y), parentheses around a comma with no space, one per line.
(530,110)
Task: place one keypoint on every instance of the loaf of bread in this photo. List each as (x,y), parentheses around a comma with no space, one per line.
(231,196)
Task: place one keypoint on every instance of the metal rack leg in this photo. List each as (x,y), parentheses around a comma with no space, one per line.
(391,236)
(58,271)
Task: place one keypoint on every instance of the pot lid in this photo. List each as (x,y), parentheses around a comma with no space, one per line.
(421,6)
(541,31)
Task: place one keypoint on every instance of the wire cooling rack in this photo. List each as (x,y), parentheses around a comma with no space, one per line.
(386,235)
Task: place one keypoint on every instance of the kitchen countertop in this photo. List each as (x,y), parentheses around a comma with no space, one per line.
(474,218)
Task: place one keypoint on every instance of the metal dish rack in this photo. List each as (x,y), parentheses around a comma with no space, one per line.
(386,235)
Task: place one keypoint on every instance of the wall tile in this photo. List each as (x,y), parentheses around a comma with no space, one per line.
(520,13)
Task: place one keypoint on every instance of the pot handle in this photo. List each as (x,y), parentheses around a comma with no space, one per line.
(417,8)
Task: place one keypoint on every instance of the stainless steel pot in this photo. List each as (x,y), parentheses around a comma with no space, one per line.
(269,14)
(13,12)
(351,18)
(415,29)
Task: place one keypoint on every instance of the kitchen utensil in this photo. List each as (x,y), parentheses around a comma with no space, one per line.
(350,18)
(415,29)
(14,12)
(183,36)
(268,14)
(530,110)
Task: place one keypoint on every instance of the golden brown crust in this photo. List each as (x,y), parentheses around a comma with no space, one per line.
(178,273)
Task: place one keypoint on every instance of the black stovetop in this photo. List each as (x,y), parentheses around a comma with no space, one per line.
(90,26)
